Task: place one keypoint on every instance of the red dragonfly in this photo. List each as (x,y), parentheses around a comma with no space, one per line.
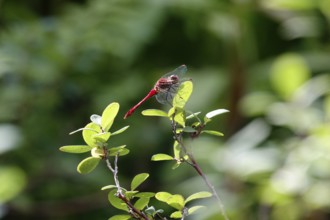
(164,89)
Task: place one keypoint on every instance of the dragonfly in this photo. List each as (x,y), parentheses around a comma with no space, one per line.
(164,89)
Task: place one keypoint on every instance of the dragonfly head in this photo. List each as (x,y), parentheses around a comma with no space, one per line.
(174,78)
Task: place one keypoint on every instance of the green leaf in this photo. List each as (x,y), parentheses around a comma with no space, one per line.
(199,195)
(154,112)
(121,217)
(194,209)
(88,134)
(288,73)
(176,201)
(120,150)
(138,180)
(120,130)
(102,137)
(159,157)
(109,187)
(176,165)
(177,150)
(216,133)
(163,196)
(183,94)
(189,129)
(141,203)
(130,194)
(216,112)
(176,214)
(76,149)
(150,210)
(98,152)
(116,202)
(145,194)
(179,116)
(88,165)
(193,115)
(108,115)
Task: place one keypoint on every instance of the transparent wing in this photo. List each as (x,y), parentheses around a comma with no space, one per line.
(166,96)
(180,71)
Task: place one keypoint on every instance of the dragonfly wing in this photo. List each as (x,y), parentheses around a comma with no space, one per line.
(166,96)
(180,71)
(162,98)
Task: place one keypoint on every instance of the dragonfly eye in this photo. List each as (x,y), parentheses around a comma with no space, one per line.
(174,78)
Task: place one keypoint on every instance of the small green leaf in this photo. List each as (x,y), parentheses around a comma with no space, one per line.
(116,202)
(102,137)
(145,194)
(121,217)
(120,130)
(151,211)
(76,149)
(194,209)
(177,150)
(97,152)
(159,157)
(189,129)
(183,94)
(176,165)
(138,180)
(120,150)
(216,133)
(176,201)
(215,113)
(163,196)
(130,194)
(88,134)
(141,203)
(179,116)
(88,165)
(171,112)
(196,124)
(199,195)
(109,187)
(73,132)
(176,214)
(193,115)
(154,112)
(108,115)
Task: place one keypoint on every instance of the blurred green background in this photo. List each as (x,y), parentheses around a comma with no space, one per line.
(267,61)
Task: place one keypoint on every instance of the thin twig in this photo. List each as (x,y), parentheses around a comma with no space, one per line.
(194,164)
(114,169)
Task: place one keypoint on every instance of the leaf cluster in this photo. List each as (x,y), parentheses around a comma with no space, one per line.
(182,123)
(96,135)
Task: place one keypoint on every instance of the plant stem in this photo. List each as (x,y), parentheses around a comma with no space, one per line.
(134,211)
(191,161)
(195,165)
